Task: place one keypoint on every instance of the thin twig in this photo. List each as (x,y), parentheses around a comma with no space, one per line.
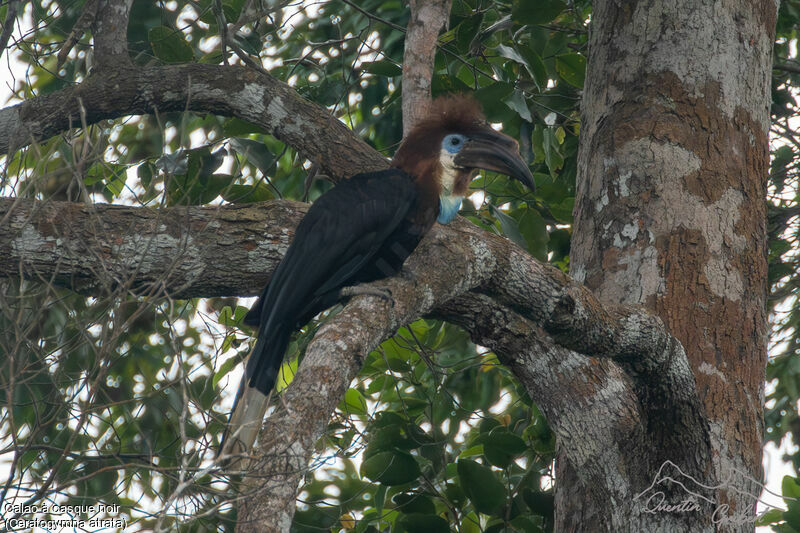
(8,24)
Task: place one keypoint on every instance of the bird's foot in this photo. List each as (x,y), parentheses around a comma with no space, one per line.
(408,275)
(364,290)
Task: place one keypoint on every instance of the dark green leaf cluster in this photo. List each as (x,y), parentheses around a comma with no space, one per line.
(416,444)
(782,415)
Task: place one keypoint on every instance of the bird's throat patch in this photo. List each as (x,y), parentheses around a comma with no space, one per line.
(448,208)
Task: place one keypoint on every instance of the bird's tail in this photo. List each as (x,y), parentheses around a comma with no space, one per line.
(243,425)
(252,398)
(265,360)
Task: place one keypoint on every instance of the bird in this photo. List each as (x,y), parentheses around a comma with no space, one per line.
(362,230)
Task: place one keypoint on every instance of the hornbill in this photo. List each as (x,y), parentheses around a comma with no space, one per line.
(363,230)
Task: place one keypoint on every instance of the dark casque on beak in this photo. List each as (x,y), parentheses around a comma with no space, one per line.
(492,150)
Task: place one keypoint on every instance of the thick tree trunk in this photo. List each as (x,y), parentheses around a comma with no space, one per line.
(670,213)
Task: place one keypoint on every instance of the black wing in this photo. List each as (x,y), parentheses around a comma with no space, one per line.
(342,231)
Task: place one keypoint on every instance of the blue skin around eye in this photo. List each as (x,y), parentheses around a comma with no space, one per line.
(447,143)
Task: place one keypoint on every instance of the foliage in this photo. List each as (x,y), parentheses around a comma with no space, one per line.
(434,434)
(115,398)
(782,415)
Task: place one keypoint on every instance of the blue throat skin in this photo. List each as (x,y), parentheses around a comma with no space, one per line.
(448,208)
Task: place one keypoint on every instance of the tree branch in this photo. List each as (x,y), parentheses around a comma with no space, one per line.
(86,246)
(427,19)
(111,33)
(82,245)
(179,247)
(87,18)
(8,24)
(90,248)
(232,91)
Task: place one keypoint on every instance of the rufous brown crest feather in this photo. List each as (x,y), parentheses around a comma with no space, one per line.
(458,113)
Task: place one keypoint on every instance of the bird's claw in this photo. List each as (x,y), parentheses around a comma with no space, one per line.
(408,275)
(362,290)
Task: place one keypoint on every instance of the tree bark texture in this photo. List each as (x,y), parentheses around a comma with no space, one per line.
(428,17)
(670,213)
(225,90)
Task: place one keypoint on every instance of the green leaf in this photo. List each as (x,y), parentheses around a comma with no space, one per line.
(387,419)
(354,402)
(482,487)
(509,226)
(245,194)
(224,368)
(202,162)
(236,127)
(539,12)
(500,447)
(380,498)
(541,503)
(471,524)
(443,84)
(790,487)
(467,34)
(391,468)
(491,97)
(782,157)
(472,451)
(535,66)
(511,53)
(526,525)
(552,151)
(773,516)
(382,68)
(792,516)
(256,152)
(563,211)
(516,101)
(489,424)
(112,175)
(145,173)
(572,68)
(534,229)
(424,523)
(226,317)
(286,373)
(169,45)
(414,503)
(383,439)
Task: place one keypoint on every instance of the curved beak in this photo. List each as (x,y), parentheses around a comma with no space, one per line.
(492,150)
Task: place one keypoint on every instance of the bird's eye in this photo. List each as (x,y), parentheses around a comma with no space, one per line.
(453,142)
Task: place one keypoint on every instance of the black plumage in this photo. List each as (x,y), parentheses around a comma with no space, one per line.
(359,231)
(363,230)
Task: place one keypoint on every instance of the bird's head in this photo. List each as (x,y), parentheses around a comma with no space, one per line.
(447,148)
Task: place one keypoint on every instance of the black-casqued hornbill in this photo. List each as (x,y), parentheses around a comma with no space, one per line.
(363,230)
